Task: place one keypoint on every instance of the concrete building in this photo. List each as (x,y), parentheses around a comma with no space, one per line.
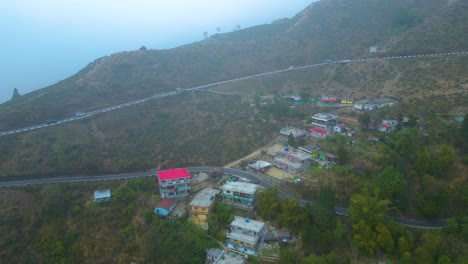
(374,104)
(174,183)
(318,133)
(101,196)
(292,161)
(311,150)
(324,121)
(295,99)
(297,133)
(165,207)
(259,165)
(388,126)
(202,205)
(240,194)
(245,235)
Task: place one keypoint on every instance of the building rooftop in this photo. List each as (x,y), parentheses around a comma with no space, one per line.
(205,197)
(294,154)
(173,174)
(318,130)
(309,148)
(214,252)
(296,132)
(286,163)
(166,203)
(295,97)
(324,116)
(230,258)
(259,164)
(243,187)
(247,224)
(376,101)
(99,194)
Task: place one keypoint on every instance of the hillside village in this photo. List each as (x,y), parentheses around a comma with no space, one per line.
(285,161)
(348,121)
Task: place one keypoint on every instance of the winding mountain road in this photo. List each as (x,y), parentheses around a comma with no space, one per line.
(339,210)
(430,224)
(82,115)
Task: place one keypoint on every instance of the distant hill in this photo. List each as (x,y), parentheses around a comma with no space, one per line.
(219,128)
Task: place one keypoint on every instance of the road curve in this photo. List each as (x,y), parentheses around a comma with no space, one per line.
(430,224)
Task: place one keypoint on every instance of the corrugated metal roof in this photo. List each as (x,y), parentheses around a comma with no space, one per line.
(99,194)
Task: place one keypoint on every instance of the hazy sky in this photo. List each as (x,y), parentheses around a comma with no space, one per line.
(44,41)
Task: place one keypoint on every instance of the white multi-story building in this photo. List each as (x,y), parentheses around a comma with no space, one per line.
(324,121)
(245,235)
(239,193)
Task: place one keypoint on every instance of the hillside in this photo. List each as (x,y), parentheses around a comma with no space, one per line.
(148,135)
(327,29)
(418,172)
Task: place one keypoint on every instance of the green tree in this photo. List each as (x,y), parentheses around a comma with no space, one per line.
(292,141)
(422,162)
(324,218)
(178,242)
(368,217)
(16,94)
(124,194)
(447,158)
(343,156)
(325,259)
(406,258)
(291,215)
(268,204)
(432,199)
(444,259)
(392,185)
(287,256)
(429,248)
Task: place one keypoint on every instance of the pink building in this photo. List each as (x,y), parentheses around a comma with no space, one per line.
(174,183)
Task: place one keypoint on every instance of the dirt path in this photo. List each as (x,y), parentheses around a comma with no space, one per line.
(250,156)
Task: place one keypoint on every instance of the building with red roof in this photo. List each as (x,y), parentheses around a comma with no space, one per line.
(174,183)
(164,207)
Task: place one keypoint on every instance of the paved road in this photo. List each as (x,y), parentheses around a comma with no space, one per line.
(82,115)
(234,172)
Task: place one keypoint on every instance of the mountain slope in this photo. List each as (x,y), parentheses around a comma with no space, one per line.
(218,129)
(328,29)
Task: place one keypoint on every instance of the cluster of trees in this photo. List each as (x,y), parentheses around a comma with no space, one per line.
(316,223)
(367,230)
(179,241)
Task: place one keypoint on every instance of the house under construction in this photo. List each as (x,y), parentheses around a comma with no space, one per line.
(292,161)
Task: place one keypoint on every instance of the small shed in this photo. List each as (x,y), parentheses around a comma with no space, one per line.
(101,196)
(165,207)
(260,165)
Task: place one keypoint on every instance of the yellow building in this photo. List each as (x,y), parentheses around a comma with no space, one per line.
(202,205)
